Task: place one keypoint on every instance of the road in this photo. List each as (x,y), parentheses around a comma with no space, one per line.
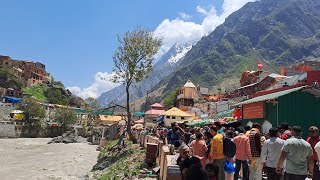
(34,159)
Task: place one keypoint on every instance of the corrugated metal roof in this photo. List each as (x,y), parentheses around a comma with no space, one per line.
(269,96)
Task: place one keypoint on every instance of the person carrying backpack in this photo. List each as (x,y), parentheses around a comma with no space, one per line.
(229,150)
(229,147)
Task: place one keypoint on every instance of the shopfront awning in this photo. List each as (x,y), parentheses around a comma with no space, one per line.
(269,96)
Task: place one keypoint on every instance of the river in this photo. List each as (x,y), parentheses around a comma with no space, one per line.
(34,159)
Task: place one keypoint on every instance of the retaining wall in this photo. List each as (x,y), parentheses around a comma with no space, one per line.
(7,131)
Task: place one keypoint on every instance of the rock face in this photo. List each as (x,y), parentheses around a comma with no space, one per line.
(69,137)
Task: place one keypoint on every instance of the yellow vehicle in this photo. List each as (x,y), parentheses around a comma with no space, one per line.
(17,115)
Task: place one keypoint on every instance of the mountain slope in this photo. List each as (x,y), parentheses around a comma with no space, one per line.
(276,32)
(165,65)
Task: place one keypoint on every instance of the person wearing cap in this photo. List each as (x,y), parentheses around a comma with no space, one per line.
(298,155)
(313,139)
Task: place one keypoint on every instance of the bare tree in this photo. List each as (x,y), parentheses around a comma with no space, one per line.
(133,60)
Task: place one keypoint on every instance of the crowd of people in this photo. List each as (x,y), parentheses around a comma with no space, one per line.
(217,152)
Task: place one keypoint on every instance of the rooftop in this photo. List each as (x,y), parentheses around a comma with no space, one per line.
(189,84)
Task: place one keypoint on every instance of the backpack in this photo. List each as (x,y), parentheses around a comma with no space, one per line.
(308,139)
(229,148)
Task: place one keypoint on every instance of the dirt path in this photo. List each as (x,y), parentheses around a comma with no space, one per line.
(34,159)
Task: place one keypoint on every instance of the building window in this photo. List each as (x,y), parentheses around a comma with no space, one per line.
(182,118)
(168,117)
(173,117)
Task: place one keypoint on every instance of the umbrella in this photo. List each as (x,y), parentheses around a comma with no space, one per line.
(16,112)
(137,126)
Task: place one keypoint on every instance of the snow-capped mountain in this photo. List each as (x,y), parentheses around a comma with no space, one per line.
(162,68)
(174,54)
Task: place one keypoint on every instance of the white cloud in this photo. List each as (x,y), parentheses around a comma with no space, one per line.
(182,31)
(202,10)
(176,30)
(230,6)
(101,84)
(185,16)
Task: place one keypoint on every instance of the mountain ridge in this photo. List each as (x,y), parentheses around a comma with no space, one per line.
(276,32)
(163,67)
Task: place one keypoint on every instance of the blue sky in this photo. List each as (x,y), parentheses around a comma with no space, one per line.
(77,38)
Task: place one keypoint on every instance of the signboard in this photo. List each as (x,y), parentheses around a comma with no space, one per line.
(253,110)
(222,106)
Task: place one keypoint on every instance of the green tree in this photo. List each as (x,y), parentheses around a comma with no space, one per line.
(133,60)
(169,100)
(58,83)
(65,117)
(91,105)
(4,74)
(34,111)
(54,96)
(37,91)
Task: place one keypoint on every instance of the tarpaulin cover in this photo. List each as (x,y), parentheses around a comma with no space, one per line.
(161,118)
(13,99)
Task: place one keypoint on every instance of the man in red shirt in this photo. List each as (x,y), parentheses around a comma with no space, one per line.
(313,139)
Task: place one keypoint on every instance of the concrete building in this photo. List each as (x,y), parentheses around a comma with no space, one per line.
(154,112)
(34,73)
(15,67)
(175,115)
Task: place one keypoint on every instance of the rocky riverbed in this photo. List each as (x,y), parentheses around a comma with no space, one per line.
(34,159)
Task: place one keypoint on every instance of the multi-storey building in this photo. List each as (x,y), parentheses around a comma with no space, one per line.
(32,73)
(15,67)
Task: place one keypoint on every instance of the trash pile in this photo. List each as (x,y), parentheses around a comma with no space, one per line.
(69,137)
(146,173)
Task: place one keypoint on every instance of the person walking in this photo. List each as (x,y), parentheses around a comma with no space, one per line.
(313,139)
(216,151)
(270,154)
(229,150)
(243,153)
(255,146)
(298,155)
(199,148)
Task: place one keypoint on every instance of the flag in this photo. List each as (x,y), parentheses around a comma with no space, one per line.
(260,65)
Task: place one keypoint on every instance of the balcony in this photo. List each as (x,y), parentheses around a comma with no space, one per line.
(185,96)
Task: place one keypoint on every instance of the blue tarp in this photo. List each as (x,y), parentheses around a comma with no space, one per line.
(12,99)
(161,118)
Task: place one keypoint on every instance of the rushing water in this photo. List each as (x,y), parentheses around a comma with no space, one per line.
(34,159)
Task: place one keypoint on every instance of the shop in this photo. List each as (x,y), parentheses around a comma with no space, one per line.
(297,106)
